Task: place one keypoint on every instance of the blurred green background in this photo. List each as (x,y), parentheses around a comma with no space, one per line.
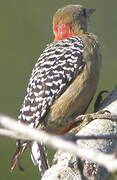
(25,29)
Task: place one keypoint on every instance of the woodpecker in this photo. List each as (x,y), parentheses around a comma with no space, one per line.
(63,81)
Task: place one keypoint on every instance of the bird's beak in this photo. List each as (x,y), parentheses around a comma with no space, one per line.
(89,12)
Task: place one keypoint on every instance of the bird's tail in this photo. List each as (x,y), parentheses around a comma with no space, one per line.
(39,156)
(15,161)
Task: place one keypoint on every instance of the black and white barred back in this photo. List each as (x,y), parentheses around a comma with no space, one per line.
(56,68)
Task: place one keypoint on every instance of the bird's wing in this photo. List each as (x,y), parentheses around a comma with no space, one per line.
(54,71)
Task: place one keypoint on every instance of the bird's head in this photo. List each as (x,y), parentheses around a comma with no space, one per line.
(70,20)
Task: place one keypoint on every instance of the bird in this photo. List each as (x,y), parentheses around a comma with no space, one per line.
(63,81)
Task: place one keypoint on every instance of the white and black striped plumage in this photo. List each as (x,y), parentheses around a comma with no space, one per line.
(58,67)
(59,64)
(54,71)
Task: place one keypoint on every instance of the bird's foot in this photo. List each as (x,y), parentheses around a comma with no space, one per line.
(83,120)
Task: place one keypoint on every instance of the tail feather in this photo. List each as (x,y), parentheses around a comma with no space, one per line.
(39,157)
(16,157)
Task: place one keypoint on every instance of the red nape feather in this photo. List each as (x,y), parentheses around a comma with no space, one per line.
(63,31)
